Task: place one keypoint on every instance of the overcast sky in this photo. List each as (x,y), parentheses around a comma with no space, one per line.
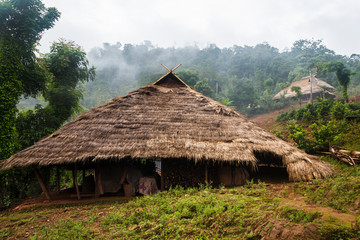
(224,22)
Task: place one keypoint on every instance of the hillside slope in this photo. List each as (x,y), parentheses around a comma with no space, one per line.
(254,211)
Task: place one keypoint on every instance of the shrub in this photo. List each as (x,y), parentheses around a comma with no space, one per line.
(299,136)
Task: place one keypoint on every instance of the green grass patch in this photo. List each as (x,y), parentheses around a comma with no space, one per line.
(336,230)
(191,213)
(65,229)
(247,212)
(298,215)
(341,192)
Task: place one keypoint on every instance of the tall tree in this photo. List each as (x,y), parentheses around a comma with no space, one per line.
(342,74)
(21,25)
(69,68)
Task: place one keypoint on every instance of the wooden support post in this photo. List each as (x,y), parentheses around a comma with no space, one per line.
(42,185)
(57,179)
(206,174)
(98,185)
(97,191)
(162,175)
(75,182)
(122,180)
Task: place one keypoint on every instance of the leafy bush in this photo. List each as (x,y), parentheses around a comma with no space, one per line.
(323,123)
(327,133)
(299,135)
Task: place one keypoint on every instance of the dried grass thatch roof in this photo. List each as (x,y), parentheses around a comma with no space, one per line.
(165,120)
(304,83)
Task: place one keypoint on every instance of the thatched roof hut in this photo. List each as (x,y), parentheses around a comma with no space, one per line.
(167,120)
(319,88)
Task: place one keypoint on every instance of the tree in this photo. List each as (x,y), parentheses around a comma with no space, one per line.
(269,83)
(21,25)
(241,93)
(204,87)
(342,74)
(68,67)
(189,77)
(298,93)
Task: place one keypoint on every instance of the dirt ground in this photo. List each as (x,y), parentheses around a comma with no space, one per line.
(267,119)
(62,199)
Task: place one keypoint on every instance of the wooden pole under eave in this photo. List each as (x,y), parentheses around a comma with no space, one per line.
(75,182)
(97,191)
(42,185)
(98,185)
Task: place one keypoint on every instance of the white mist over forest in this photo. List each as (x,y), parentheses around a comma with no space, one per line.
(245,76)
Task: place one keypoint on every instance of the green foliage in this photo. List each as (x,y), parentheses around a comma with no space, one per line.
(56,76)
(322,110)
(298,93)
(338,231)
(187,213)
(351,138)
(299,135)
(10,91)
(327,133)
(21,25)
(343,75)
(247,75)
(68,67)
(298,215)
(203,87)
(241,93)
(329,124)
(226,102)
(194,213)
(65,229)
(189,77)
(340,192)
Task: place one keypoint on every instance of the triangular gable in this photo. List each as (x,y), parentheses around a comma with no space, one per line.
(170,80)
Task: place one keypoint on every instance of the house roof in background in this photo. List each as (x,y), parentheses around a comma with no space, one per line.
(304,83)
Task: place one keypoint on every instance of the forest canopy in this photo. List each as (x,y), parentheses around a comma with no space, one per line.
(247,76)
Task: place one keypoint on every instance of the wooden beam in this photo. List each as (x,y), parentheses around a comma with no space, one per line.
(75,182)
(100,184)
(123,176)
(165,67)
(42,185)
(176,67)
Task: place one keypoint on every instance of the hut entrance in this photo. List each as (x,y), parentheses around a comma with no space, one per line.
(270,168)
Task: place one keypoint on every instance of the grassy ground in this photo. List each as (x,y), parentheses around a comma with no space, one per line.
(324,209)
